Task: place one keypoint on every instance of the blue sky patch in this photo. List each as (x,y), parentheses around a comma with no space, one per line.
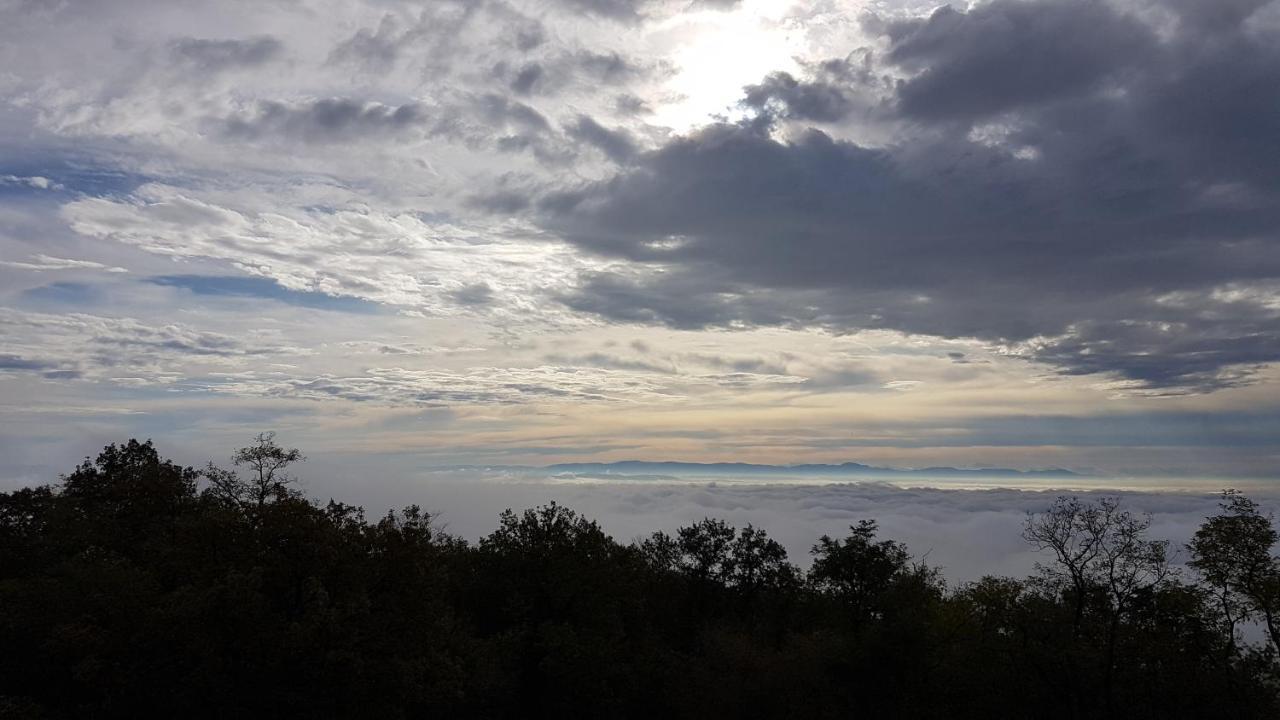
(251,287)
(65,293)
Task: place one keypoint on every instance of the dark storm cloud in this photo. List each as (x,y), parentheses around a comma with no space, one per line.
(1220,14)
(326,120)
(820,102)
(833,91)
(510,126)
(1070,184)
(558,71)
(1009,53)
(616,144)
(683,300)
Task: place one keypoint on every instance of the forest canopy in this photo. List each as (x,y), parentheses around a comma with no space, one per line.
(136,587)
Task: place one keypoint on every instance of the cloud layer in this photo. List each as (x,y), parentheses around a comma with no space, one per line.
(1084,184)
(1018,232)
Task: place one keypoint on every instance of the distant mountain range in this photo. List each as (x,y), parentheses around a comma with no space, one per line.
(631,468)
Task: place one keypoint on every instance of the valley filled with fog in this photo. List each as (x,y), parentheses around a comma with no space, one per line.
(969,527)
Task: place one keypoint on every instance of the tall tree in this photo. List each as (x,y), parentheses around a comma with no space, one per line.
(268,478)
(1099,547)
(860,571)
(1232,552)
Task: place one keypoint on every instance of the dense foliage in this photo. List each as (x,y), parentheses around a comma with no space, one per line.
(138,588)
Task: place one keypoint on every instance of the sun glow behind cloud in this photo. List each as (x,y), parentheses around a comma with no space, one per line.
(511,231)
(716,54)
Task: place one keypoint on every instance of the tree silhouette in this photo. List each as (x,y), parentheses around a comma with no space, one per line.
(1232,551)
(1100,549)
(126,593)
(861,571)
(268,478)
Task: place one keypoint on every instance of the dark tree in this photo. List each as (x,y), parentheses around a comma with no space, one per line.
(268,480)
(1101,553)
(712,551)
(126,593)
(861,571)
(1098,545)
(1232,552)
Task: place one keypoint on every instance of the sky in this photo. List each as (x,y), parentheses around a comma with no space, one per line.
(406,234)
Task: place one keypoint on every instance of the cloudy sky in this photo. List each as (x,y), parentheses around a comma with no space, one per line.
(412,233)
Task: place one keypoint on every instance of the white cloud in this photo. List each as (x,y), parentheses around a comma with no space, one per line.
(78,345)
(399,152)
(397,258)
(45,262)
(502,385)
(33,181)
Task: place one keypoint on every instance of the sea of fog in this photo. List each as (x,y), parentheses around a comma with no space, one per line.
(968,526)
